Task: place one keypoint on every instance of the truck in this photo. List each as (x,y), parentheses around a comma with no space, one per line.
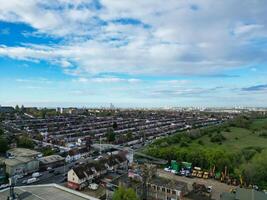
(36,175)
(31,180)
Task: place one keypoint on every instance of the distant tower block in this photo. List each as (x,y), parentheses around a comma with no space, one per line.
(112,107)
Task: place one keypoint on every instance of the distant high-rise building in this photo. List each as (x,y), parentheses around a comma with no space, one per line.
(112,107)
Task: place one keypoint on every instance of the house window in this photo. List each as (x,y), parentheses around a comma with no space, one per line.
(158,188)
(168,191)
(163,189)
(73,179)
(174,192)
(154,187)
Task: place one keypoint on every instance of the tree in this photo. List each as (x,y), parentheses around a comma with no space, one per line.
(110,135)
(17,108)
(25,142)
(47,151)
(129,135)
(115,125)
(3,144)
(123,193)
(1,131)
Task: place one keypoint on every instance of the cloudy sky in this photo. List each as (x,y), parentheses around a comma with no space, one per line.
(144,53)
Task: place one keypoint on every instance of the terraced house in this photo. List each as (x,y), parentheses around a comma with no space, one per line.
(80,176)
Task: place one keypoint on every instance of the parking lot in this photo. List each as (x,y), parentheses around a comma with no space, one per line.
(43,193)
(217,187)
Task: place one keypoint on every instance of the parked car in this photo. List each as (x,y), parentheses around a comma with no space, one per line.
(36,175)
(93,186)
(31,180)
(167,169)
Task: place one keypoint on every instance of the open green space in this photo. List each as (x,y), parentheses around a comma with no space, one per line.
(240,145)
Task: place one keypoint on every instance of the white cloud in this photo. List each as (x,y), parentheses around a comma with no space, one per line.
(106,79)
(168,38)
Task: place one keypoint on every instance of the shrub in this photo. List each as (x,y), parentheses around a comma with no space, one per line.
(217,138)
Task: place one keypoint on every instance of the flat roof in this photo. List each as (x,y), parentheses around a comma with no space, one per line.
(172,184)
(46,192)
(17,161)
(23,152)
(51,159)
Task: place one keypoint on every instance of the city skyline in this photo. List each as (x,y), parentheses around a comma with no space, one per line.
(133,54)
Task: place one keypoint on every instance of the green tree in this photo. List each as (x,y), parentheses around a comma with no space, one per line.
(3,144)
(123,193)
(17,108)
(1,131)
(25,142)
(110,135)
(47,151)
(129,135)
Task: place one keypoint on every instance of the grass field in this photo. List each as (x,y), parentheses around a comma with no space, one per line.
(236,139)
(241,146)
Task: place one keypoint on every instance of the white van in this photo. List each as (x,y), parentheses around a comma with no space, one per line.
(36,174)
(31,180)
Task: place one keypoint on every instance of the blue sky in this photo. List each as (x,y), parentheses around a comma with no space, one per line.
(133,53)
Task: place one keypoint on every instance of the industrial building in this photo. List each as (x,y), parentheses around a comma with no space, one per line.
(21,161)
(51,161)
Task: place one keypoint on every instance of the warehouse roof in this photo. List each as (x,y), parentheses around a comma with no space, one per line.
(17,161)
(23,152)
(51,159)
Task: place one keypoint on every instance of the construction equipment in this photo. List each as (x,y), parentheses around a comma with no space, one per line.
(194,173)
(200,174)
(241,180)
(206,175)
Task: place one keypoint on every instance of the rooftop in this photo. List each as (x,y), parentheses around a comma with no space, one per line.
(46,192)
(51,159)
(244,194)
(172,184)
(17,161)
(22,152)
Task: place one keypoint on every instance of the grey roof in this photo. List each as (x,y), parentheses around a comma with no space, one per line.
(244,194)
(51,159)
(17,161)
(23,152)
(248,194)
(171,184)
(46,192)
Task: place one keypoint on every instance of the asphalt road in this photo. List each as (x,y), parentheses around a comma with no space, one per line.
(47,177)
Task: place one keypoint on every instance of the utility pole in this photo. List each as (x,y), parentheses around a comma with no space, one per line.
(12,195)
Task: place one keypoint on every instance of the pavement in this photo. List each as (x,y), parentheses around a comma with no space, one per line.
(217,187)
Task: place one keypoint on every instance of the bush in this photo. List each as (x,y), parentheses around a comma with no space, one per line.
(263,134)
(200,142)
(218,138)
(184,144)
